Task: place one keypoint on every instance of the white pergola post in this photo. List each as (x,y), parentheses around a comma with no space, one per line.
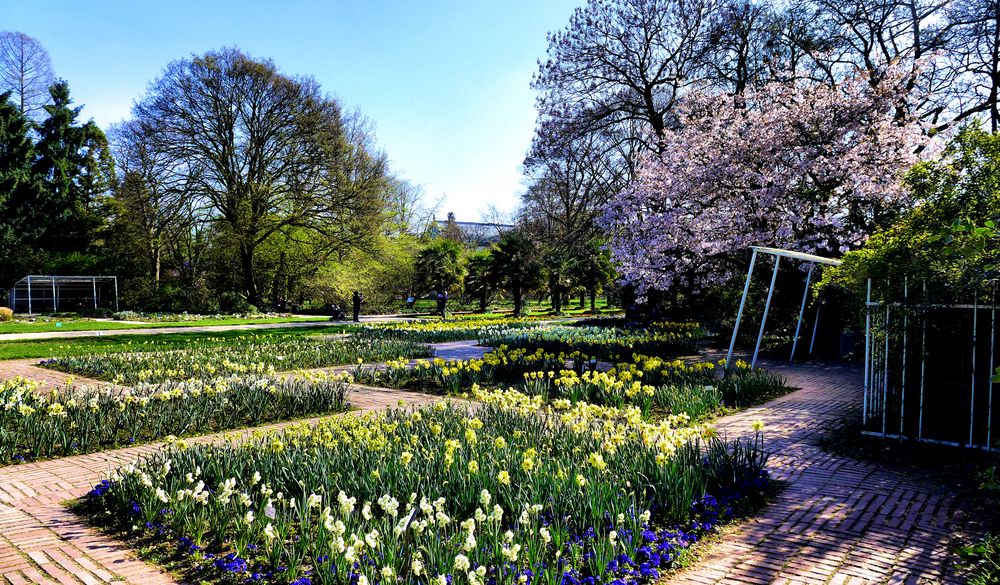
(93,281)
(29,295)
(116,293)
(739,313)
(767,307)
(55,297)
(802,309)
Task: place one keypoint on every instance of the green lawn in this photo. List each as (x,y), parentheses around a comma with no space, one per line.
(45,348)
(77,324)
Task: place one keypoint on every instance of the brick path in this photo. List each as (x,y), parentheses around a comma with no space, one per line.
(840,521)
(27,368)
(41,541)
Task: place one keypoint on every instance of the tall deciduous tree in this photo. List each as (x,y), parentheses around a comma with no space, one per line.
(266,152)
(977,41)
(153,201)
(620,62)
(806,166)
(26,71)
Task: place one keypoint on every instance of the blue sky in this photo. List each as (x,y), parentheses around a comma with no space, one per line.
(446,82)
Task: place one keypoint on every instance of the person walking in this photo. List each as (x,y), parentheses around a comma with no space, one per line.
(357,300)
(442,303)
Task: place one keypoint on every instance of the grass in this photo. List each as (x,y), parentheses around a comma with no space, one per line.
(77,324)
(48,348)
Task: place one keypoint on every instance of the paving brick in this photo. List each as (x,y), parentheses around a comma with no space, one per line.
(839,521)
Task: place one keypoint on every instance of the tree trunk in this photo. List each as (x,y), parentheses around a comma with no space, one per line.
(482,302)
(583,298)
(155,257)
(518,301)
(593,299)
(246,261)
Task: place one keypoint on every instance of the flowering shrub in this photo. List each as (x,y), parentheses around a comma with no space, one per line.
(518,493)
(36,424)
(602,343)
(261,356)
(812,167)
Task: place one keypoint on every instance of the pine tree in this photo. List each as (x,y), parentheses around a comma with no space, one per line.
(77,170)
(18,183)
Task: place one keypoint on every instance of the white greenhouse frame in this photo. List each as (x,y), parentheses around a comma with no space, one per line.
(32,283)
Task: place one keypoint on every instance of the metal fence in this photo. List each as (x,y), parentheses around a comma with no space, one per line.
(929,365)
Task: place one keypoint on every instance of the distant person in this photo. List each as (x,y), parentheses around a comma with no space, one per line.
(410,301)
(442,303)
(357,300)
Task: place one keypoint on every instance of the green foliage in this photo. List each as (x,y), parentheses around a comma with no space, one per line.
(517,266)
(383,272)
(983,559)
(439,267)
(19,186)
(479,280)
(949,236)
(77,170)
(235,303)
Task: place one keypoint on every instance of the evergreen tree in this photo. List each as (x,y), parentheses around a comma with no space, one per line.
(76,170)
(517,266)
(439,268)
(16,155)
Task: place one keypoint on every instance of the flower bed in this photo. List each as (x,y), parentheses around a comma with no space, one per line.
(696,389)
(193,317)
(442,331)
(601,343)
(75,420)
(519,493)
(244,356)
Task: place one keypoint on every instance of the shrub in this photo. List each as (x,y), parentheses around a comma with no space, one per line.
(235,303)
(6,314)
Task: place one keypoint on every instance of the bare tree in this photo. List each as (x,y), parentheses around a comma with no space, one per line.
(977,59)
(267,153)
(25,71)
(154,198)
(620,61)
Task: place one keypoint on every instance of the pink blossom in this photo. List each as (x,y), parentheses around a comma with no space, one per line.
(806,166)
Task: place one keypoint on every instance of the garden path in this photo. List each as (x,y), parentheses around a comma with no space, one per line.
(41,541)
(28,368)
(840,520)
